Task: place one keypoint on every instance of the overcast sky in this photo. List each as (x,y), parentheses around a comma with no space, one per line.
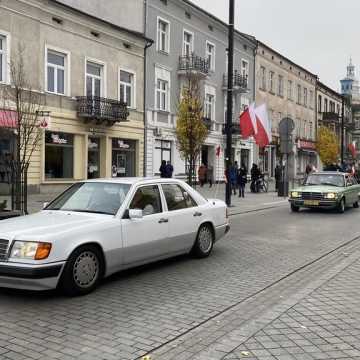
(319,35)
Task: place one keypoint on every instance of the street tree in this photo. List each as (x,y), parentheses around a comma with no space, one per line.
(191,131)
(22,107)
(327,145)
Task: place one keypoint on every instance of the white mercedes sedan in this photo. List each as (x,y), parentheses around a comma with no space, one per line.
(99,227)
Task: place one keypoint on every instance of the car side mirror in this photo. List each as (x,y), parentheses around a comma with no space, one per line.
(45,204)
(135,214)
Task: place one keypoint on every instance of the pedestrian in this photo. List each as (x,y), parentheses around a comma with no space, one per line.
(162,169)
(169,169)
(233,177)
(202,171)
(242,180)
(278,175)
(255,175)
(308,170)
(210,175)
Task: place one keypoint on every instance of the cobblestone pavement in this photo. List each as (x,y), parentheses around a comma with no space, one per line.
(152,307)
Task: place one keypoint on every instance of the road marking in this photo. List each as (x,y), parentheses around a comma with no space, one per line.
(276,202)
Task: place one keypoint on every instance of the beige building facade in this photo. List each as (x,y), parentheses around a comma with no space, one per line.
(92,75)
(288,90)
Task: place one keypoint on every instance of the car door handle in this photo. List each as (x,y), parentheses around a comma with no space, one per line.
(161,221)
(198,214)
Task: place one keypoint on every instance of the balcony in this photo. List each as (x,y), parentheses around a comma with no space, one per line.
(235,129)
(101,110)
(240,82)
(331,116)
(207,122)
(193,64)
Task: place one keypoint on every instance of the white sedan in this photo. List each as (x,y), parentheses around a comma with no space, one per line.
(99,227)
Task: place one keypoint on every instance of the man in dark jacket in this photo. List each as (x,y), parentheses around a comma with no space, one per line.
(169,169)
(163,169)
(242,180)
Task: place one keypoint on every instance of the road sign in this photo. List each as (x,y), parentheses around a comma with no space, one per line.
(286,127)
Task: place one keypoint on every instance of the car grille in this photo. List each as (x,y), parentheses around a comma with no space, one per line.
(4,244)
(312,196)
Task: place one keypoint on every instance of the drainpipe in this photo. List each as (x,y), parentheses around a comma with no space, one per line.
(148,44)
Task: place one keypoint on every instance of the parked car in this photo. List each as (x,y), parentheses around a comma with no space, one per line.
(326,190)
(99,227)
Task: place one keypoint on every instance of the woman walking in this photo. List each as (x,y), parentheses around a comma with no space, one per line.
(242,180)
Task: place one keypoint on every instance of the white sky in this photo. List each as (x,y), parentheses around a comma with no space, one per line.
(319,35)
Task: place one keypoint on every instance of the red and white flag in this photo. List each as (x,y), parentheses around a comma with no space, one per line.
(263,134)
(248,125)
(352,148)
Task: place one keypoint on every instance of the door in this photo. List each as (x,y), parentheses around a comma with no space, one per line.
(145,239)
(184,217)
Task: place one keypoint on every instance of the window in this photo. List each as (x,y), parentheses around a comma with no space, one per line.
(94,79)
(244,68)
(56,68)
(305,96)
(263,78)
(299,94)
(188,43)
(209,106)
(127,88)
(290,90)
(163,36)
(271,81)
(162,95)
(305,130)
(325,105)
(3,58)
(210,55)
(319,103)
(147,199)
(177,198)
(59,155)
(281,86)
(338,109)
(162,152)
(311,99)
(310,130)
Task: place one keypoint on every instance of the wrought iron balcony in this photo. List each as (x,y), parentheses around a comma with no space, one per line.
(193,64)
(207,121)
(331,116)
(235,128)
(101,110)
(240,82)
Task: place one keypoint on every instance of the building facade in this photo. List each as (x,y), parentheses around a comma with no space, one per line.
(91,74)
(289,91)
(188,39)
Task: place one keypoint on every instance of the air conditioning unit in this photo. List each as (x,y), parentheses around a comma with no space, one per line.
(157,131)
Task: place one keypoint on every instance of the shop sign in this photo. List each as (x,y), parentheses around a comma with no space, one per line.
(96,131)
(8,119)
(305,144)
(44,122)
(123,145)
(56,139)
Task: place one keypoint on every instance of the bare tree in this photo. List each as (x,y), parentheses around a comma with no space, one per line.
(23,107)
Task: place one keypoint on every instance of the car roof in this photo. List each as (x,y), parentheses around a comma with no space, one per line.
(329,173)
(134,180)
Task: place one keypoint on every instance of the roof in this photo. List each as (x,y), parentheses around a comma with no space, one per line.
(329,173)
(134,180)
(327,88)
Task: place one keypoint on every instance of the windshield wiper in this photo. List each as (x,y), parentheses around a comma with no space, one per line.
(88,211)
(329,184)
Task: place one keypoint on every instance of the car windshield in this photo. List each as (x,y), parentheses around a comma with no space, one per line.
(325,179)
(91,197)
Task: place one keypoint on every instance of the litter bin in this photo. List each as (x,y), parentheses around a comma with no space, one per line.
(283,189)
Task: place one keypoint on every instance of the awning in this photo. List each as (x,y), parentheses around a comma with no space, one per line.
(8,119)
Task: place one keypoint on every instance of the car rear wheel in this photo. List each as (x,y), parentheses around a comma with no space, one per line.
(204,242)
(82,271)
(294,208)
(341,206)
(356,204)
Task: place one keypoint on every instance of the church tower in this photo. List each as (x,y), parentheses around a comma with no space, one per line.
(350,85)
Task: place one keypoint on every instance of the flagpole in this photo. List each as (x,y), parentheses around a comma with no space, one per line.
(229,112)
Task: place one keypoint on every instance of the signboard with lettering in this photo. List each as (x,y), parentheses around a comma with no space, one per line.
(306,144)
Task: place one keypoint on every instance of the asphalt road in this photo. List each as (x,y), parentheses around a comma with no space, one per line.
(148,308)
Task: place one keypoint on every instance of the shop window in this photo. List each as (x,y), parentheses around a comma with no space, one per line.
(123,158)
(93,158)
(162,153)
(59,155)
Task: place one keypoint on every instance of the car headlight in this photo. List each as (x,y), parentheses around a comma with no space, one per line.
(30,250)
(330,196)
(295,194)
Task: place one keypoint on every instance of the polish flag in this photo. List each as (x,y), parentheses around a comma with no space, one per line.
(248,124)
(263,134)
(352,148)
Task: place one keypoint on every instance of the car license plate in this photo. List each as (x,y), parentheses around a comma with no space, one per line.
(311,202)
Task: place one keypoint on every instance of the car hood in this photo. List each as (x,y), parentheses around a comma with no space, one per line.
(319,188)
(46,224)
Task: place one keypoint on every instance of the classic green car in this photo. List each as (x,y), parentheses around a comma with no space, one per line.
(326,190)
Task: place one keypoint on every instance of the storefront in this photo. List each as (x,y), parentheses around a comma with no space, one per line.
(123,158)
(306,155)
(93,170)
(162,152)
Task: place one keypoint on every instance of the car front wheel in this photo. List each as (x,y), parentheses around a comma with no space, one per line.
(356,204)
(294,208)
(82,271)
(341,206)
(204,242)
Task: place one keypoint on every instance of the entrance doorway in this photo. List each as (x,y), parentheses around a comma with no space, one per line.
(93,157)
(123,158)
(7,156)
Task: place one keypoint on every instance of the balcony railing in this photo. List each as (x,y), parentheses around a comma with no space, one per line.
(207,121)
(235,128)
(331,116)
(240,82)
(193,64)
(101,109)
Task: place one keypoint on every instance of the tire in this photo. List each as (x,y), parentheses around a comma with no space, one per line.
(83,271)
(294,208)
(204,242)
(356,205)
(341,206)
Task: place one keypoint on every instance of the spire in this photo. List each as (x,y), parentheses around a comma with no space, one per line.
(351,70)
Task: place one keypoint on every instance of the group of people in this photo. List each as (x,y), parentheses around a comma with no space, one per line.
(206,175)
(166,169)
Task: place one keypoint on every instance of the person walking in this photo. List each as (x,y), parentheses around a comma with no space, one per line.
(233,177)
(242,180)
(202,171)
(162,169)
(278,176)
(255,175)
(169,169)
(210,175)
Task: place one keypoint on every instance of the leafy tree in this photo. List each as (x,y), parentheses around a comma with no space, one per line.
(327,145)
(191,131)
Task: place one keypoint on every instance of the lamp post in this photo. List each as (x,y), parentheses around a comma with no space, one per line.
(342,130)
(229,113)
